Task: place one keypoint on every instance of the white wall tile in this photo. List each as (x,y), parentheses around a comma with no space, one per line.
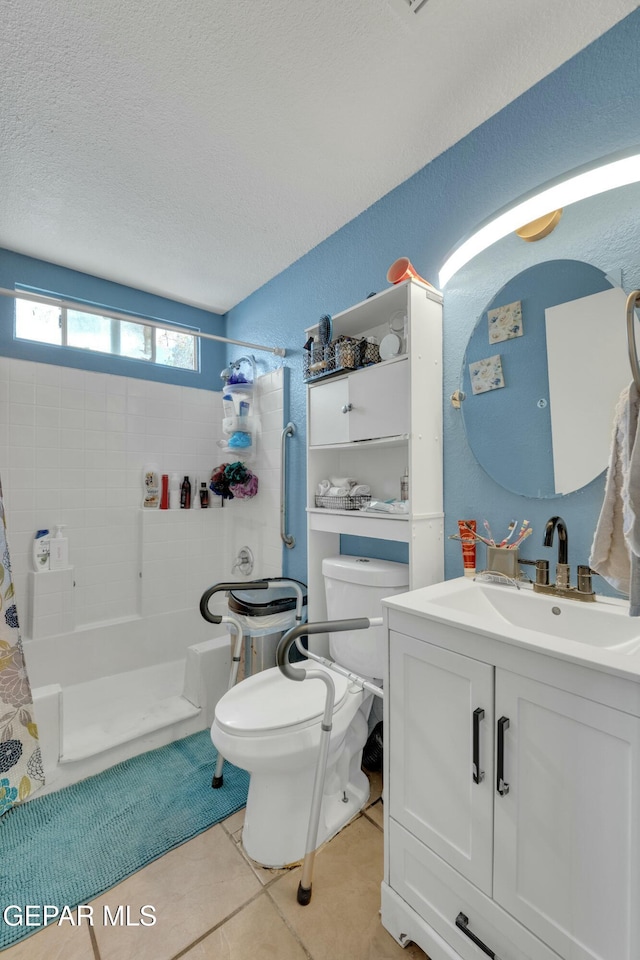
(74,445)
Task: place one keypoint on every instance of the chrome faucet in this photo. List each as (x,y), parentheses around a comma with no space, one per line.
(562,587)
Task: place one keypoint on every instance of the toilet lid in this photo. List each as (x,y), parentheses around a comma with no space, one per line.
(270,701)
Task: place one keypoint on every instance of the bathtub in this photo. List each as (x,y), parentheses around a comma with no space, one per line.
(104,694)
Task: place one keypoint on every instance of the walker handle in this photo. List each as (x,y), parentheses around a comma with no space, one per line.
(223,587)
(301,630)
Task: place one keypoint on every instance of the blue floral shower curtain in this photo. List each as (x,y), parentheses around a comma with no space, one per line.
(21,771)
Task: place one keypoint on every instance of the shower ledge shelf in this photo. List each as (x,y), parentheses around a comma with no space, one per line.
(105,713)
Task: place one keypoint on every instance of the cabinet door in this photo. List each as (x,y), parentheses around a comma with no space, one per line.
(567,850)
(328,412)
(432,791)
(379,398)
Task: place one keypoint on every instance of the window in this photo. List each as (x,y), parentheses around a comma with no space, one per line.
(63,326)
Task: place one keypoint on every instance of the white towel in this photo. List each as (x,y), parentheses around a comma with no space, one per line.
(323,488)
(342,481)
(338,492)
(385,506)
(360,490)
(615,552)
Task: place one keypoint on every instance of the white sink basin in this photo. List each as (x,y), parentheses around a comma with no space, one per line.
(502,609)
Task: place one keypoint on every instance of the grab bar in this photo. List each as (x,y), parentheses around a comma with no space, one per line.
(633,300)
(288,540)
(302,673)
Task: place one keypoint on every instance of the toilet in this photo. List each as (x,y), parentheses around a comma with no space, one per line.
(270,725)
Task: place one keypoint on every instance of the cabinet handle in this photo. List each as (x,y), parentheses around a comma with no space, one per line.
(462,923)
(346,407)
(478,774)
(501,786)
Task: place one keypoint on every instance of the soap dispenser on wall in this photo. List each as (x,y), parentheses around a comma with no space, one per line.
(59,550)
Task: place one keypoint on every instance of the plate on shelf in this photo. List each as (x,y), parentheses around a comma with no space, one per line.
(390,346)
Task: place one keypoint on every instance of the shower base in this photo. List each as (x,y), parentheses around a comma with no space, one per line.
(87,727)
(110,711)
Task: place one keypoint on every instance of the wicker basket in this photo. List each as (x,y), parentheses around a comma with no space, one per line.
(322,361)
(342,503)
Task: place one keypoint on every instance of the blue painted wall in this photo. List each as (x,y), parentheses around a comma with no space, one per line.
(586,109)
(48,278)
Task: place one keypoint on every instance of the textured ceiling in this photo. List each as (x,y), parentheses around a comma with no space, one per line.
(195,150)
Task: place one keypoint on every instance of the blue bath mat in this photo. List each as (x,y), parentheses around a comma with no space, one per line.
(68,847)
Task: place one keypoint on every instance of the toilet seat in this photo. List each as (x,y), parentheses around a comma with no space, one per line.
(269,701)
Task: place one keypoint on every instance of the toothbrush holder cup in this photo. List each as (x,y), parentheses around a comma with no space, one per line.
(504,560)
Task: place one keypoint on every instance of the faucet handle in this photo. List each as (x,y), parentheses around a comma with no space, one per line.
(542,569)
(584,578)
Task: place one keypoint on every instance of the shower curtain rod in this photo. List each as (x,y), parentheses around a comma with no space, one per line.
(70,305)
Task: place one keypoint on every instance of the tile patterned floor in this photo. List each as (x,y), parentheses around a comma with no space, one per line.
(213,903)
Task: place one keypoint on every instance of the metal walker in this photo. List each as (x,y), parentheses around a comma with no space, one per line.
(236,628)
(304,672)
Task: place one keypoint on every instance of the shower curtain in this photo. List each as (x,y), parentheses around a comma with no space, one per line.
(21,772)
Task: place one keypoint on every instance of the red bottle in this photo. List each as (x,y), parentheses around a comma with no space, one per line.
(164,496)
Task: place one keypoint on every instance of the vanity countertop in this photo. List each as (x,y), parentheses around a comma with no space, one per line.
(599,635)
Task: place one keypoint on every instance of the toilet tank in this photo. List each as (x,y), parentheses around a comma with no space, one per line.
(355,587)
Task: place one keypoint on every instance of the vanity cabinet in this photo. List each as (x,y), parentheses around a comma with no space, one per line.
(374,424)
(434,796)
(365,405)
(517,824)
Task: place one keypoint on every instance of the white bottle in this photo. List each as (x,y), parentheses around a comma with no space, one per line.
(59,550)
(174,492)
(151,487)
(404,485)
(41,547)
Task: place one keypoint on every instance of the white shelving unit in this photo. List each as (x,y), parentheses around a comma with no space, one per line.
(372,424)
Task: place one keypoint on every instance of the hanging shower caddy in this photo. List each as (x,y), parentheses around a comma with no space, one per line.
(239,423)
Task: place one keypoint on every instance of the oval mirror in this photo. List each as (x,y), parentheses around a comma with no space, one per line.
(542,372)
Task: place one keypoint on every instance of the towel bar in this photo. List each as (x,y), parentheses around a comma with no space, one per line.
(633,300)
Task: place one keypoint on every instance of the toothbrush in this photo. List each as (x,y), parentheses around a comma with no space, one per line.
(524,533)
(485,524)
(522,538)
(525,524)
(510,529)
(477,536)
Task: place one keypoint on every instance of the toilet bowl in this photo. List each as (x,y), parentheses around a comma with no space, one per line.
(272,731)
(271,726)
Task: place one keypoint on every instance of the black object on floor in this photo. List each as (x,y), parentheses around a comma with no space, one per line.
(372,753)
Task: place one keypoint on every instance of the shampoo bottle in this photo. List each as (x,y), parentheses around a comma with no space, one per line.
(228,407)
(174,492)
(164,496)
(204,495)
(59,550)
(404,485)
(185,494)
(41,547)
(151,488)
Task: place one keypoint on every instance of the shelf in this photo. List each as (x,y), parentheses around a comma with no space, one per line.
(398,441)
(384,526)
(322,377)
(243,424)
(246,454)
(375,310)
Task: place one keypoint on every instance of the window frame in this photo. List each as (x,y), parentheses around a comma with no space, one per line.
(115,318)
